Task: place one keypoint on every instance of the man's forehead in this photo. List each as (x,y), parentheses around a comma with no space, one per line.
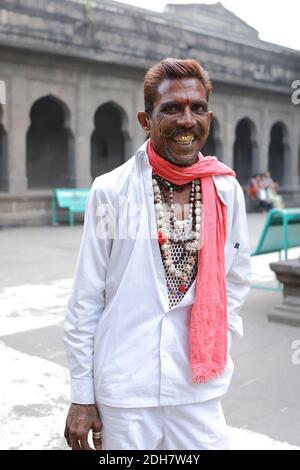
(192,87)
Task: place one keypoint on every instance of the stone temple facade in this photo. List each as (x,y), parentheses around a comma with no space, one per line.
(73,74)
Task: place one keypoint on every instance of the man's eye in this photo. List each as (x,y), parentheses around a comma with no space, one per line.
(170,109)
(200,109)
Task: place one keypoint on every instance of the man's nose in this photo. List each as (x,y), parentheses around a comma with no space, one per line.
(187,118)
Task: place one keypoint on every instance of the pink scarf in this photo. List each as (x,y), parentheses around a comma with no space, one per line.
(208,324)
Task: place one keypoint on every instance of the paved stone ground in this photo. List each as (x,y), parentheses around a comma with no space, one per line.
(37,265)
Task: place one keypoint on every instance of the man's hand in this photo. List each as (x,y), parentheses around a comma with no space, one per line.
(80,419)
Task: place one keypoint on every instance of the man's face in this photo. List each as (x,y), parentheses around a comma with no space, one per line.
(179,123)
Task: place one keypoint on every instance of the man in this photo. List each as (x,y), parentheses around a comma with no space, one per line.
(162,272)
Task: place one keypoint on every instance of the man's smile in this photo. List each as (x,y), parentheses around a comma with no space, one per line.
(184,139)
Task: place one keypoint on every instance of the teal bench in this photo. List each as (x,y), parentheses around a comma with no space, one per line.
(72,199)
(281,232)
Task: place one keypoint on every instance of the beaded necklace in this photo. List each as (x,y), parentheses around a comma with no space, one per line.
(170,232)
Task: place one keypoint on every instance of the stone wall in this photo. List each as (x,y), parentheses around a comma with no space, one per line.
(84,59)
(115,33)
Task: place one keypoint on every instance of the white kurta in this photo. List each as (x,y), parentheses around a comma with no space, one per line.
(124,345)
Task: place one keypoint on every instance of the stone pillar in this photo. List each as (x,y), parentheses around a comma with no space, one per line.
(83,132)
(292,162)
(229,127)
(18,123)
(261,163)
(3,160)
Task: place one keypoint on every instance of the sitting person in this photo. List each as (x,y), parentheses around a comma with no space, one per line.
(262,195)
(252,188)
(275,198)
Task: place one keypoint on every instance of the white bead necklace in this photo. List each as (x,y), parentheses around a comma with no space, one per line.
(167,229)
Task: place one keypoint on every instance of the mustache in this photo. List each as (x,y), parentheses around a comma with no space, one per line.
(178,131)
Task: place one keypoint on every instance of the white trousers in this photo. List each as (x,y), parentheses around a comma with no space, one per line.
(197,426)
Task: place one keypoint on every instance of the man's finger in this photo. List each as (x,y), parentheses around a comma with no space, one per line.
(67,437)
(84,442)
(97,435)
(74,442)
(97,442)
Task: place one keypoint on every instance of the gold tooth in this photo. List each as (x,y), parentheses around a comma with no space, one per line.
(184,139)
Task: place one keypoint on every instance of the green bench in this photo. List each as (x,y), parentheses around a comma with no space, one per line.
(281,232)
(72,199)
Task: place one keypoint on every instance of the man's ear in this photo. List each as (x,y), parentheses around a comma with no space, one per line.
(210,116)
(144,120)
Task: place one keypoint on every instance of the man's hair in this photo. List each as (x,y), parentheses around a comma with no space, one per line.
(172,69)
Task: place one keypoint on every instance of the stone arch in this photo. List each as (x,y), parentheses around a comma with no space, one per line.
(3,155)
(110,141)
(49,145)
(279,152)
(214,144)
(245,150)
